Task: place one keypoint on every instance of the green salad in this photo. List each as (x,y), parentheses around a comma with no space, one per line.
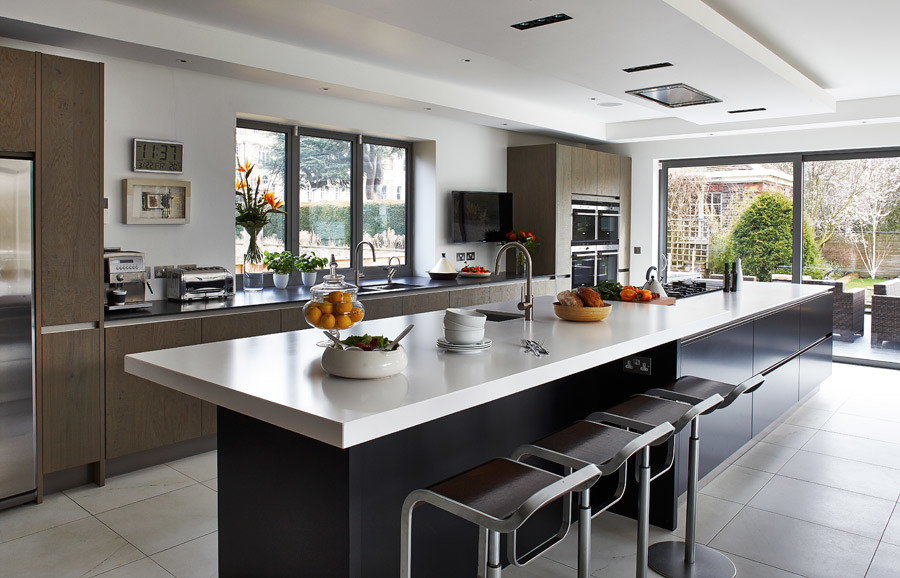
(367,342)
(608,290)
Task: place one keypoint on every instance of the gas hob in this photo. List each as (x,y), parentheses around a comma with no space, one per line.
(689,288)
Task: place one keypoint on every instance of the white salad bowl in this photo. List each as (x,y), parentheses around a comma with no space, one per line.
(359,364)
(467,317)
(464,336)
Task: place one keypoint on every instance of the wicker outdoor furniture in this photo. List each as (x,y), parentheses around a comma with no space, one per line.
(886,312)
(849,309)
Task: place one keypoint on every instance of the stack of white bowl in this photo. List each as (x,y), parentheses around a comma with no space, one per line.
(463,326)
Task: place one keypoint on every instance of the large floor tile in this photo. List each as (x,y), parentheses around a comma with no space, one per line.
(752,569)
(796,546)
(712,515)
(161,522)
(129,488)
(789,435)
(832,507)
(212,484)
(540,568)
(865,427)
(809,417)
(886,563)
(855,448)
(81,548)
(143,568)
(195,559)
(849,475)
(766,457)
(201,467)
(56,510)
(736,484)
(892,532)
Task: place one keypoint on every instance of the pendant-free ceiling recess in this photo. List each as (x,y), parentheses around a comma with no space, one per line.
(647,67)
(541,22)
(674,95)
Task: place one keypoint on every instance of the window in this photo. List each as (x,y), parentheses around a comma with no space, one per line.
(341,189)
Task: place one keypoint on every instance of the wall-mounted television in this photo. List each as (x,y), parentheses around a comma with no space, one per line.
(480,216)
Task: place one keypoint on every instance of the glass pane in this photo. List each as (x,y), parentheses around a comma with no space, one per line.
(384,201)
(325,198)
(265,150)
(718,212)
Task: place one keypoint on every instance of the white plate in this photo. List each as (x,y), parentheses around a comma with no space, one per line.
(470,274)
(478,346)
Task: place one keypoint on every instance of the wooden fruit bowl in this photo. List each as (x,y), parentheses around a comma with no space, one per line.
(582,313)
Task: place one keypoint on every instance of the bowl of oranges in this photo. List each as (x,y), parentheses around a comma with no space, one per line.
(333,305)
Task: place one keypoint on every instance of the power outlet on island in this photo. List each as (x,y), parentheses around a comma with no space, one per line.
(460,256)
(637,364)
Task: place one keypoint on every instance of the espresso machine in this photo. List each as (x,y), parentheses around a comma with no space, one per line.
(124,280)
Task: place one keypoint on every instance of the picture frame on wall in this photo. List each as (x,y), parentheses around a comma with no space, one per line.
(156,202)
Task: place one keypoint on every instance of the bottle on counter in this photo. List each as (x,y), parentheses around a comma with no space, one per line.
(727,278)
(737,281)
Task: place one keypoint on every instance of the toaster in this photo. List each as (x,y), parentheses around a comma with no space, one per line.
(192,283)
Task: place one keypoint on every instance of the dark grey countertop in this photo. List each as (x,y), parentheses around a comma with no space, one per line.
(270,296)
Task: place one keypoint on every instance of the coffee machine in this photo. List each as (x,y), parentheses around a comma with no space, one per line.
(124,280)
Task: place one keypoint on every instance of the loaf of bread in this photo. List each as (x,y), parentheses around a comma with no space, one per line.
(569,299)
(589,297)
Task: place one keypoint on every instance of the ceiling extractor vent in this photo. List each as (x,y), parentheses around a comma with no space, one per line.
(674,95)
(743,110)
(541,21)
(648,67)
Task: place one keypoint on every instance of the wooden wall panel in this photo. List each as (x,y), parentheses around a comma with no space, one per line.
(71,399)
(71,190)
(17,85)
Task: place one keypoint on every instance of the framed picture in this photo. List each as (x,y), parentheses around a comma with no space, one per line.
(156,202)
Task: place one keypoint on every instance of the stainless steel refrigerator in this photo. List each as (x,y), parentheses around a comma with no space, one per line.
(18,468)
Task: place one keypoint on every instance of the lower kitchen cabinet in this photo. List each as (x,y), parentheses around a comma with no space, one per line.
(470,296)
(70,401)
(140,414)
(422,302)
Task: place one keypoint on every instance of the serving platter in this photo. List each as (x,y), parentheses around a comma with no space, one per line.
(469,274)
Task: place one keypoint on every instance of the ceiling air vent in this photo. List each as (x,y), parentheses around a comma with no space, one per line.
(743,110)
(647,67)
(674,95)
(541,21)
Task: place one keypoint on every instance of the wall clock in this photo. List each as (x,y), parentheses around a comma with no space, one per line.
(158,156)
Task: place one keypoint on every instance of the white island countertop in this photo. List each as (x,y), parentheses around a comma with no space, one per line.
(278,378)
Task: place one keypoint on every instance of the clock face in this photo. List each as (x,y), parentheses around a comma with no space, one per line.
(154,156)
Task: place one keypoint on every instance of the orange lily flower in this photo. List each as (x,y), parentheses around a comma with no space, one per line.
(244,168)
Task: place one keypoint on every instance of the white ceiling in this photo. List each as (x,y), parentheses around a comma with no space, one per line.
(808,62)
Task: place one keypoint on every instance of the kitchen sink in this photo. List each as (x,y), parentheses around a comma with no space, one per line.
(383,287)
(500,315)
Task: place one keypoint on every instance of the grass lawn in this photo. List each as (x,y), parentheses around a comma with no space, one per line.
(867,283)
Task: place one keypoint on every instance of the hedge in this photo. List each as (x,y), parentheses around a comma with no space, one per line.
(331,221)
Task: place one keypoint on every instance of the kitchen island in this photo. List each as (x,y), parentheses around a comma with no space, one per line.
(313,468)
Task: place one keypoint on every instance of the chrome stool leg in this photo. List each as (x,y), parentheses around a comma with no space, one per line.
(584,534)
(493,564)
(643,531)
(675,559)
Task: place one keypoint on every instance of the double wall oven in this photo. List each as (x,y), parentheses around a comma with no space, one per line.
(595,239)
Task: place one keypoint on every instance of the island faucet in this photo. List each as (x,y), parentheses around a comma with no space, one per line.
(527,303)
(359,259)
(392,270)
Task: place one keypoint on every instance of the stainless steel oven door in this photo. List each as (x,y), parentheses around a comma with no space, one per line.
(595,222)
(590,265)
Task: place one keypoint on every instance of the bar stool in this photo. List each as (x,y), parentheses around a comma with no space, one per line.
(499,496)
(607,447)
(641,412)
(675,558)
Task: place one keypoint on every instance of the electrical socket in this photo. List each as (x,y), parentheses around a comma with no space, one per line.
(460,257)
(637,250)
(637,364)
(159,271)
(470,256)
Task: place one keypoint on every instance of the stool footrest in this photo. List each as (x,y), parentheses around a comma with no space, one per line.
(667,558)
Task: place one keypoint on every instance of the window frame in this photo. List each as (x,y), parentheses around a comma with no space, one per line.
(293,133)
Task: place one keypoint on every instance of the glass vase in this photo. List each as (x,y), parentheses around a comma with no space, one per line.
(253,261)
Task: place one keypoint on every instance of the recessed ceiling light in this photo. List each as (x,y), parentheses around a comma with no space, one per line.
(609,104)
(324,88)
(674,95)
(648,67)
(541,22)
(427,108)
(181,60)
(743,110)
(467,60)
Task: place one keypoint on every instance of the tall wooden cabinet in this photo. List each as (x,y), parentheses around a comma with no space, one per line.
(18,85)
(543,179)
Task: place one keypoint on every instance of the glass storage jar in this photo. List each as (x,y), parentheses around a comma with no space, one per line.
(333,304)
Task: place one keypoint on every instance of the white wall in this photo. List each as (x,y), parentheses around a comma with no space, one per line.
(200,110)
(646,156)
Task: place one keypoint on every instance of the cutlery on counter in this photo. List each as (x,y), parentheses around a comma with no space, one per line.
(533,347)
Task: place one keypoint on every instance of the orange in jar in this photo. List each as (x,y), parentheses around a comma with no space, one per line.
(327,307)
(327,321)
(346,297)
(335,297)
(356,315)
(343,307)
(313,314)
(343,321)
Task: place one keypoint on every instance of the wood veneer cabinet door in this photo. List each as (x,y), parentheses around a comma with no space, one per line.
(140,414)
(17,85)
(531,177)
(71,419)
(71,190)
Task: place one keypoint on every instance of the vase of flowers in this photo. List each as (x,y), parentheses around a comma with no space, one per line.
(308,263)
(253,208)
(527,240)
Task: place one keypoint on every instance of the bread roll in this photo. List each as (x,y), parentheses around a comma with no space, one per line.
(569,299)
(589,297)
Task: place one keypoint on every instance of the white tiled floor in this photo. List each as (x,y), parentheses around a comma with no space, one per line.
(816,498)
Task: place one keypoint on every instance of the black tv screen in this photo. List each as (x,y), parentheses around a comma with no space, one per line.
(480,216)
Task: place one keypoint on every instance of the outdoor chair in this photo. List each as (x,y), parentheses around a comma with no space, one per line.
(886,312)
(849,309)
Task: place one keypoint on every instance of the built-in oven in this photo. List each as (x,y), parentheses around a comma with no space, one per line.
(595,220)
(593,263)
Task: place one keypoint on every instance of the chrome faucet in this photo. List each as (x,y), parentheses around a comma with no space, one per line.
(391,270)
(527,303)
(359,259)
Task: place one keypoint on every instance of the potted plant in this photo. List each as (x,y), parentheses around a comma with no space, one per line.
(308,263)
(281,264)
